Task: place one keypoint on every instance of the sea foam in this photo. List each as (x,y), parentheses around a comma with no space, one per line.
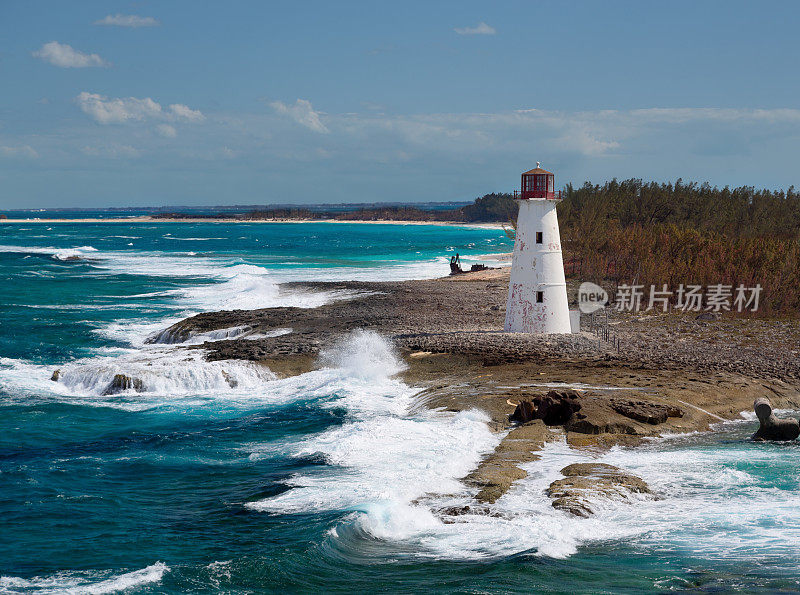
(84,583)
(384,456)
(395,472)
(56,253)
(163,377)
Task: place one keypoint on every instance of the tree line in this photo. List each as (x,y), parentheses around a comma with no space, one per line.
(495,207)
(634,232)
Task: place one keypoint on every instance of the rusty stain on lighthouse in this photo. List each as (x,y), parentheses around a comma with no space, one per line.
(537,290)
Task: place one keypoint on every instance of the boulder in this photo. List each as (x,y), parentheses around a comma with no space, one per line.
(555,408)
(523,413)
(585,482)
(123,382)
(645,411)
(232,382)
(446,514)
(773,428)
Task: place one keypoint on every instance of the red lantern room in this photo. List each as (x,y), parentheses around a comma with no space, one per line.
(538,183)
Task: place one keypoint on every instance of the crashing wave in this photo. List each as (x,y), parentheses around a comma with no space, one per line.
(160,372)
(140,379)
(84,583)
(385,456)
(77,253)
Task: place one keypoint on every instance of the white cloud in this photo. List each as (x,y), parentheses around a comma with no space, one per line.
(180,111)
(448,154)
(610,141)
(127,20)
(107,110)
(688,114)
(166,131)
(65,56)
(303,113)
(583,142)
(480,29)
(20,151)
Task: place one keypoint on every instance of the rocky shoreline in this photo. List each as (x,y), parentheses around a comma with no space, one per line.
(667,373)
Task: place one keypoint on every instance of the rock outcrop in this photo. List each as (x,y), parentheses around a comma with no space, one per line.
(773,428)
(599,425)
(232,382)
(123,382)
(584,483)
(500,469)
(555,408)
(645,411)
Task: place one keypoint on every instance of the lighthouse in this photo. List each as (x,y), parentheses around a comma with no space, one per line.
(537,290)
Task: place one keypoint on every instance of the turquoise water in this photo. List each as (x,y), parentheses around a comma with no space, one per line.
(331,481)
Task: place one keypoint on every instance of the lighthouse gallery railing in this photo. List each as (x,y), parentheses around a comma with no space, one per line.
(525,194)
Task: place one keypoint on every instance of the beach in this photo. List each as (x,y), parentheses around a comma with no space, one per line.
(227,220)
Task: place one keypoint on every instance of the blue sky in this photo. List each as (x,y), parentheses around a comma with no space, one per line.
(166,103)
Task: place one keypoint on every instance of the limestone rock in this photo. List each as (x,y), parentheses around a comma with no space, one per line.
(523,413)
(123,382)
(645,411)
(554,409)
(499,470)
(585,482)
(446,514)
(773,428)
(588,469)
(599,426)
(232,382)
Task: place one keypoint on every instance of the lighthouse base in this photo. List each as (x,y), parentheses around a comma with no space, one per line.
(524,314)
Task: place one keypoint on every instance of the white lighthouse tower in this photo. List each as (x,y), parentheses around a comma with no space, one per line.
(537,290)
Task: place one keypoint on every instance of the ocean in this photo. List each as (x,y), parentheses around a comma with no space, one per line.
(328,481)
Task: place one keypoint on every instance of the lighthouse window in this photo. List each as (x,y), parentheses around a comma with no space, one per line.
(538,237)
(539,297)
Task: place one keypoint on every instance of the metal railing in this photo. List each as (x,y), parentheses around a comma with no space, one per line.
(599,326)
(525,194)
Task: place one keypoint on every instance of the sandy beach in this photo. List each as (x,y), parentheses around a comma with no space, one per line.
(149,219)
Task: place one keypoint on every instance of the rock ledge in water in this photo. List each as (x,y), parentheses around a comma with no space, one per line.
(123,382)
(584,482)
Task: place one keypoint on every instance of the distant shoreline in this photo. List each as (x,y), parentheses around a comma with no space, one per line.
(149,219)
